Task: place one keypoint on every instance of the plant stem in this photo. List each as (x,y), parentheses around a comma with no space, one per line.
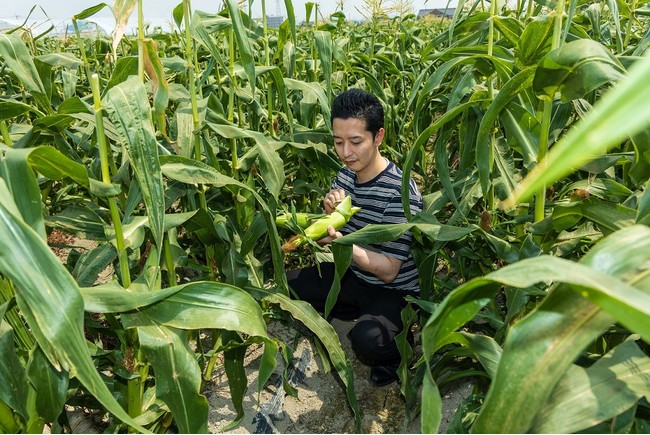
(8,422)
(169,261)
(140,42)
(490,89)
(267,62)
(187,10)
(106,178)
(82,49)
(540,196)
(5,133)
(628,29)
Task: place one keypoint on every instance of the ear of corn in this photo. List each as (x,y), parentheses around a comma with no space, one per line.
(317,230)
(303,220)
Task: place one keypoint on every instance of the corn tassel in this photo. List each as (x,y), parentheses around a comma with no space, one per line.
(318,230)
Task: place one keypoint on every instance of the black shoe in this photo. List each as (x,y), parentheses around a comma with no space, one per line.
(383,375)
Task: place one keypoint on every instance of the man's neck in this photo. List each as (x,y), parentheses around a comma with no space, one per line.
(369,173)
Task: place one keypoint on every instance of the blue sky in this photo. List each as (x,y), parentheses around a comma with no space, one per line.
(162,9)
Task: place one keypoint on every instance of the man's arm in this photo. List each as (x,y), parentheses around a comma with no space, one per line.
(382,266)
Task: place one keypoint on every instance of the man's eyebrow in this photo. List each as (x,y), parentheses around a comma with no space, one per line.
(350,137)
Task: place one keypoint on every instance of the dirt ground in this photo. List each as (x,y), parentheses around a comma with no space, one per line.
(321,405)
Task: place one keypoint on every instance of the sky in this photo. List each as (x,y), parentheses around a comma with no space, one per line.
(162,9)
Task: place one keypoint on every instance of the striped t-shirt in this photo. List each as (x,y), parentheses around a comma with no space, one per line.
(381,203)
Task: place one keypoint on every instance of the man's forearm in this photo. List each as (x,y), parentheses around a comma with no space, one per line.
(383,267)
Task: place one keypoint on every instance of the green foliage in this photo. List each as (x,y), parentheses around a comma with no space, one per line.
(525,128)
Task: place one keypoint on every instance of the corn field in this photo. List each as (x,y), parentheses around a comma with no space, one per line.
(526,127)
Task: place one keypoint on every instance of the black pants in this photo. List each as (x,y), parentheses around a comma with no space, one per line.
(376,308)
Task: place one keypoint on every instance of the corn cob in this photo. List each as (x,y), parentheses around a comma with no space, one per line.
(317,230)
(302,219)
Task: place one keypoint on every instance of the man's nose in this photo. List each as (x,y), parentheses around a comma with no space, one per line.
(347,150)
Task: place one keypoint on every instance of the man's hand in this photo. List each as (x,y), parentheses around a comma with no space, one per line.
(332,234)
(332,199)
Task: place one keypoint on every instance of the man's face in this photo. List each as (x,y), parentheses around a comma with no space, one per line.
(356,147)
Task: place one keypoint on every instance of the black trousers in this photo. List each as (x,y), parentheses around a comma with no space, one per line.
(376,308)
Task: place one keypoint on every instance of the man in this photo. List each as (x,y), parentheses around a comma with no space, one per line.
(373,288)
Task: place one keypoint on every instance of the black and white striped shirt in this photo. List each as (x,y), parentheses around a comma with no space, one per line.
(381,203)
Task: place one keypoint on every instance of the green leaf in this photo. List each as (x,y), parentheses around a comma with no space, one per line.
(92,263)
(156,72)
(540,349)
(617,115)
(19,60)
(576,68)
(486,350)
(79,220)
(271,165)
(192,172)
(586,397)
(128,108)
(535,41)
(324,47)
(608,216)
(58,324)
(305,313)
(243,43)
(89,12)
(237,381)
(431,412)
(13,377)
(10,108)
(484,152)
(202,305)
(20,182)
(50,385)
(67,60)
(312,91)
(178,377)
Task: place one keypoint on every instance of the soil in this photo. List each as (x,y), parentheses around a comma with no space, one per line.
(320,405)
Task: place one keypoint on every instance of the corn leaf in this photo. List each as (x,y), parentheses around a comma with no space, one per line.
(191,172)
(305,313)
(271,165)
(58,324)
(586,397)
(575,69)
(12,373)
(50,385)
(178,376)
(243,43)
(128,108)
(540,348)
(19,60)
(484,151)
(617,115)
(21,183)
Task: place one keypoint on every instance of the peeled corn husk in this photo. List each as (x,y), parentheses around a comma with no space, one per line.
(303,220)
(317,230)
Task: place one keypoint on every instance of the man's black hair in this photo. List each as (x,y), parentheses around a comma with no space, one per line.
(359,104)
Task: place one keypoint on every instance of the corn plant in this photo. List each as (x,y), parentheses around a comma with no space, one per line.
(175,152)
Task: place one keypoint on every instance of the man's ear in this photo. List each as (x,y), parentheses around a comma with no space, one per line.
(379,137)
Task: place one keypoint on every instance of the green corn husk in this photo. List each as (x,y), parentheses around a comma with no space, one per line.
(303,220)
(317,230)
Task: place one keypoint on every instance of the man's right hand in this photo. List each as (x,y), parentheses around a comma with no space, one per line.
(332,199)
